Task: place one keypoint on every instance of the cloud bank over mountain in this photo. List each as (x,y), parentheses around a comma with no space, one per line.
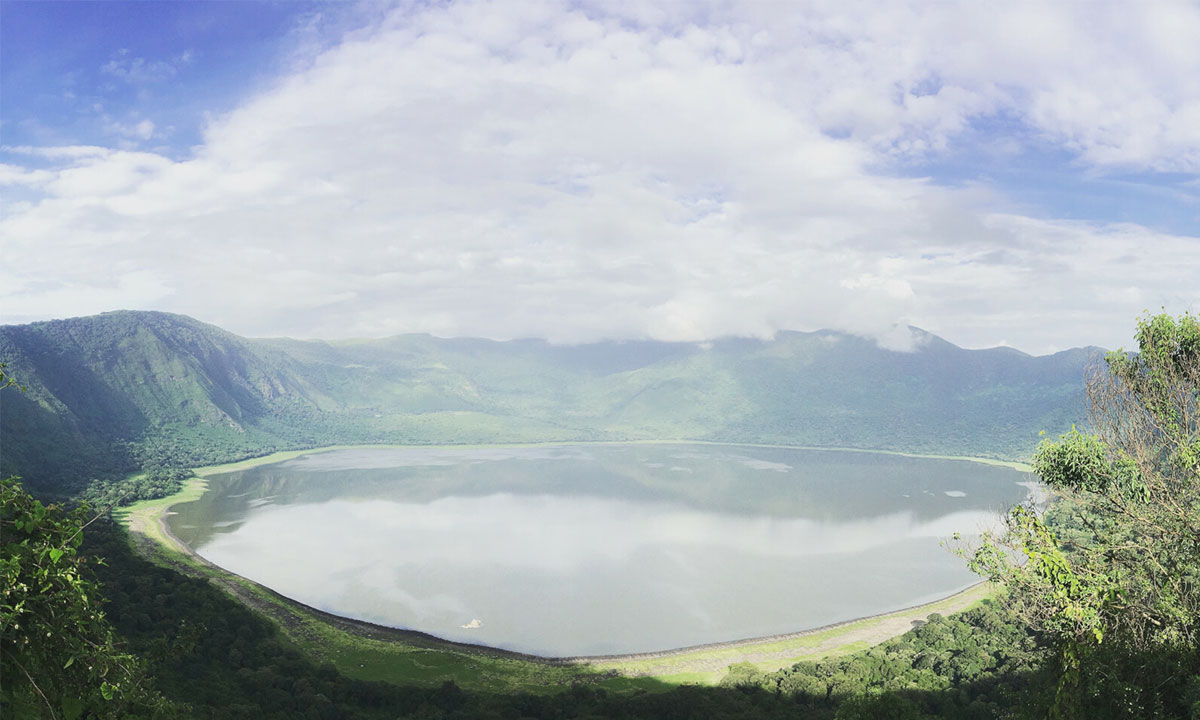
(622,171)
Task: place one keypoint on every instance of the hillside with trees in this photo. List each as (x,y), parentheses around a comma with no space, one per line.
(126,392)
(1095,617)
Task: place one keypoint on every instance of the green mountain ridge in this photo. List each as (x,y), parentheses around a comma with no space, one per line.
(110,394)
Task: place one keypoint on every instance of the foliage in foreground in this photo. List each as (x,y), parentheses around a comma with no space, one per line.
(58,655)
(1111,578)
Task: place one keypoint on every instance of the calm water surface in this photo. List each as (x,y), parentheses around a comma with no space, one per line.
(596,549)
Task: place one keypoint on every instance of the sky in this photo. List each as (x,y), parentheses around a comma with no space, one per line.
(1020,174)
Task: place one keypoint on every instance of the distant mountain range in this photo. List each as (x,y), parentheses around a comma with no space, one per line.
(109,394)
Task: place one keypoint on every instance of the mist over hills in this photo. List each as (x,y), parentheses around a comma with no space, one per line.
(113,393)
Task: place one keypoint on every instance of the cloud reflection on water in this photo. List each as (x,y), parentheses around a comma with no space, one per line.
(558,532)
(564,571)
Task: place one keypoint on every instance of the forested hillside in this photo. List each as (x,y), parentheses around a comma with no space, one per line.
(120,392)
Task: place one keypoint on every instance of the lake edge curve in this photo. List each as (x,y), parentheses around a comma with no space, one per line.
(148,518)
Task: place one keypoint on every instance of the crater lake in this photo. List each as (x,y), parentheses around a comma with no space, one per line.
(595,549)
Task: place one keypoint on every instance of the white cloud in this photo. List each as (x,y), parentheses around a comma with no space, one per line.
(14,175)
(136,289)
(135,130)
(139,71)
(66,152)
(541,170)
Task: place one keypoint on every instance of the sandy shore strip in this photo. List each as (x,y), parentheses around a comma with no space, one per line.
(709,662)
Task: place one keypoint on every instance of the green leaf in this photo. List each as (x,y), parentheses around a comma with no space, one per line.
(72,708)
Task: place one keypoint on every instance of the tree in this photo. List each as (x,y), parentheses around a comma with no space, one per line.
(1109,575)
(58,656)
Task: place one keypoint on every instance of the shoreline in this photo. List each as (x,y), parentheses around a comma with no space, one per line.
(762,639)
(366,628)
(284,455)
(149,519)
